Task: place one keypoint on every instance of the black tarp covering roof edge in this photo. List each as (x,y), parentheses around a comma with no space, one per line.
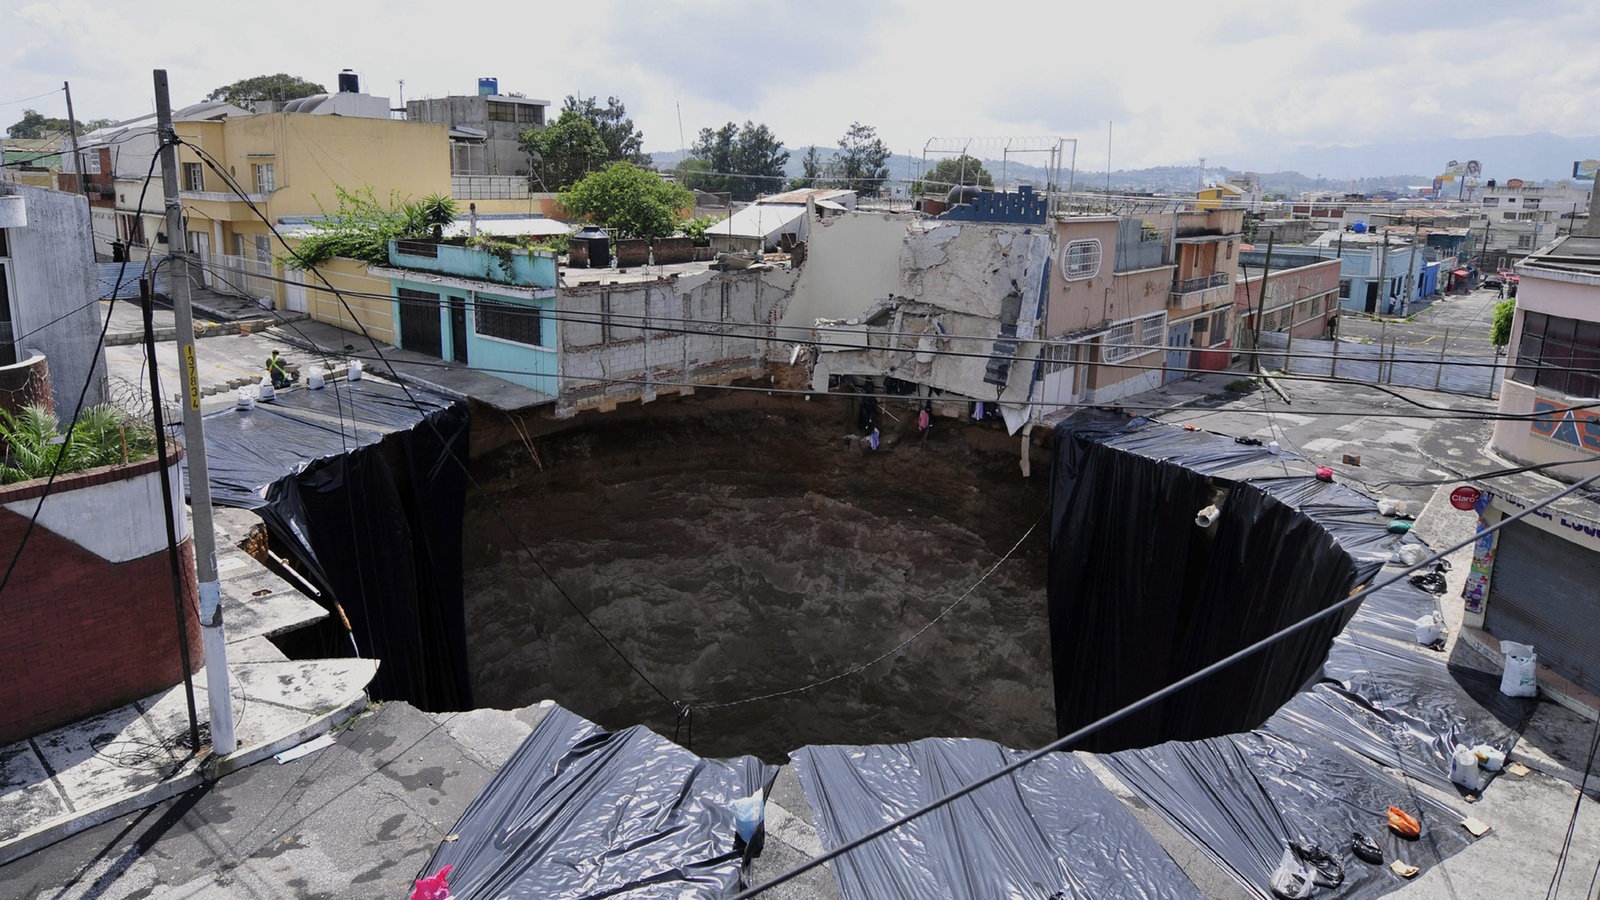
(1140,596)
(1238,797)
(1050,830)
(580,812)
(364,485)
(1241,798)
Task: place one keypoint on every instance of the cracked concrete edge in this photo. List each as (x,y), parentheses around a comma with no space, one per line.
(193,774)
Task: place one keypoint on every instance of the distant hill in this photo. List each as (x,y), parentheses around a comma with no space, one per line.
(1370,167)
(1531,157)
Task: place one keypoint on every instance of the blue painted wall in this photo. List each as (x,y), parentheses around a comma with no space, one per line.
(532,268)
(530,366)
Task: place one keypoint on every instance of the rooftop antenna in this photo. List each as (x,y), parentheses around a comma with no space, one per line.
(1109,123)
(683,148)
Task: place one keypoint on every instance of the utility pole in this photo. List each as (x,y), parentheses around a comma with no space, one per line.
(212,637)
(77,156)
(1411,266)
(1383,275)
(1261,300)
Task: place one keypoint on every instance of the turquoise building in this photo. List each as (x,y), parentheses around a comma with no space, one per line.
(489,309)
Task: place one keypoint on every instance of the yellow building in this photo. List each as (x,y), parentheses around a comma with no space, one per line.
(1217,196)
(289,166)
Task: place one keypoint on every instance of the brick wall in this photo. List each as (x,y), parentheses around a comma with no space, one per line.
(81,634)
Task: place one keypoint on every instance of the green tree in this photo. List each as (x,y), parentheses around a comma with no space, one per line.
(1500,331)
(280,87)
(743,162)
(37,125)
(624,143)
(629,201)
(362,227)
(564,152)
(811,169)
(951,171)
(861,159)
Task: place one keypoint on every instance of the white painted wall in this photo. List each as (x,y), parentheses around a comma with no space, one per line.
(851,260)
(692,341)
(53,304)
(117,522)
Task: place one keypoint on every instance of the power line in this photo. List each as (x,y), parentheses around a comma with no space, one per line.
(61,454)
(34,97)
(853,670)
(784,335)
(493,506)
(1173,688)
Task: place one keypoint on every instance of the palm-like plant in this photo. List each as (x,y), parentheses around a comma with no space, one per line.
(35,446)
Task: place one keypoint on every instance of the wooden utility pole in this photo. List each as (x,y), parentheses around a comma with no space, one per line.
(1261,300)
(212,637)
(77,156)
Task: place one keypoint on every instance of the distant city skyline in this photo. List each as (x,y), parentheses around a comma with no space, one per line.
(1245,85)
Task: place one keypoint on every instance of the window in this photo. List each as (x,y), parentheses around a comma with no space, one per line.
(1219,327)
(1080,259)
(1119,345)
(194,177)
(507,321)
(1153,330)
(1344,289)
(8,350)
(520,113)
(1509,216)
(133,230)
(1559,353)
(1524,242)
(1530,203)
(266,177)
(1491,201)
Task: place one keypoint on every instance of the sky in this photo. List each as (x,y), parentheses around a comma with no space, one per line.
(1154,82)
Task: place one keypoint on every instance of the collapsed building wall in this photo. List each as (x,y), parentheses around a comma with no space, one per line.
(962,324)
(632,340)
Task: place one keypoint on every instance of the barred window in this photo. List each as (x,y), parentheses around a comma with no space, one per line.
(507,321)
(1153,330)
(1080,259)
(1118,343)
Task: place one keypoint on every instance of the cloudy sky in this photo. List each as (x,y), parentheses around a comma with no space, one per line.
(1239,83)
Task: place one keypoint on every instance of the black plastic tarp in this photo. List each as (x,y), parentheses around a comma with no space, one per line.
(1392,610)
(1406,708)
(1241,798)
(364,484)
(1140,597)
(578,812)
(1049,830)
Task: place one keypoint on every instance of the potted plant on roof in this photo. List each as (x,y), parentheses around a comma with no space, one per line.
(88,613)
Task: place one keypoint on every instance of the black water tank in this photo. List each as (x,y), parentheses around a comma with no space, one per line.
(963,193)
(349,82)
(594,239)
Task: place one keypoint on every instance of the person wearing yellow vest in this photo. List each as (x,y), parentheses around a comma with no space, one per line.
(276,370)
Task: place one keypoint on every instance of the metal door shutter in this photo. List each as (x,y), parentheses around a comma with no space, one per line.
(1545,591)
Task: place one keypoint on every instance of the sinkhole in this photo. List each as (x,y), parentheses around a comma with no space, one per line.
(760,566)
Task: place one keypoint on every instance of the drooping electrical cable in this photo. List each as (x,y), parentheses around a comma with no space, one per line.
(61,454)
(1068,740)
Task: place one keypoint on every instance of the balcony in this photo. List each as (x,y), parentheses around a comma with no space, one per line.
(1200,293)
